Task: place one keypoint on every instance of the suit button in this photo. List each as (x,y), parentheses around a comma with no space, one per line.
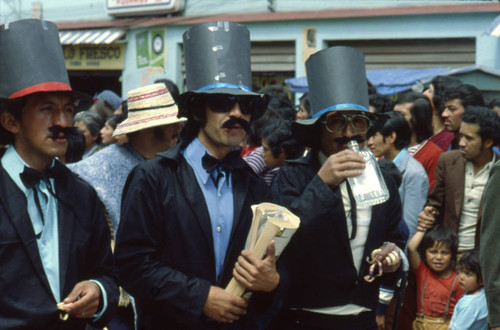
(219,228)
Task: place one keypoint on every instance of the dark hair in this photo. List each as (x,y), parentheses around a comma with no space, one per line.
(494,103)
(371,89)
(171,86)
(391,169)
(487,119)
(93,121)
(76,146)
(14,107)
(381,103)
(279,138)
(114,120)
(421,118)
(467,94)
(392,122)
(277,110)
(439,234)
(470,262)
(441,85)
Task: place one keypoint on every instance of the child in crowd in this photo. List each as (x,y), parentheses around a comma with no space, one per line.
(431,257)
(471,311)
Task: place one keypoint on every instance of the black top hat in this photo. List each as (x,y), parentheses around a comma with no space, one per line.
(336,77)
(32,61)
(217,59)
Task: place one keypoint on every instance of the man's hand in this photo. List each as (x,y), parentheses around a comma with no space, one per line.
(222,306)
(340,166)
(255,274)
(83,300)
(389,256)
(380,319)
(427,218)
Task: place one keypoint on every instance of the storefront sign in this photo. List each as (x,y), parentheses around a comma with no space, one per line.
(142,49)
(143,7)
(94,57)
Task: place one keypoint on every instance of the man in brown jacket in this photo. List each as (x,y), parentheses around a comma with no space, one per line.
(461,176)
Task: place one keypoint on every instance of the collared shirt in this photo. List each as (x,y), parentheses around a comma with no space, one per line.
(473,193)
(48,230)
(399,158)
(218,199)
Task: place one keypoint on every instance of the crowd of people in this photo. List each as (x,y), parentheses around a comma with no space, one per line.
(134,214)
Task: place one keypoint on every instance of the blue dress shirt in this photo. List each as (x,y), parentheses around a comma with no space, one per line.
(219,201)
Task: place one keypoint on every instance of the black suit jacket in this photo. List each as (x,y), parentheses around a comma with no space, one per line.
(164,245)
(317,268)
(26,300)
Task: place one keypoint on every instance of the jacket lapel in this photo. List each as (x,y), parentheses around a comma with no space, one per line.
(457,175)
(64,213)
(14,201)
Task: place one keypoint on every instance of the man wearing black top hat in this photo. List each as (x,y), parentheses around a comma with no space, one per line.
(325,264)
(186,214)
(54,239)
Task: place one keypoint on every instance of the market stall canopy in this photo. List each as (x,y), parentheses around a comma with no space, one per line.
(393,81)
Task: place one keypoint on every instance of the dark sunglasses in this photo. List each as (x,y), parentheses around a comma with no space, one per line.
(224,103)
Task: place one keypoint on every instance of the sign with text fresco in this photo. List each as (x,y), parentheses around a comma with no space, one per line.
(94,57)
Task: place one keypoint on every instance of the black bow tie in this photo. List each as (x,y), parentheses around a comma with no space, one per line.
(230,162)
(31,177)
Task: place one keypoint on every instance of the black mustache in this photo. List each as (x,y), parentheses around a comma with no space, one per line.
(234,120)
(67,131)
(344,140)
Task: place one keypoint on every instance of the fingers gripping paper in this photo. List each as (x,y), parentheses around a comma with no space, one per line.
(270,221)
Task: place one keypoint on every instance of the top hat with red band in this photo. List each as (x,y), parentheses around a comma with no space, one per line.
(32,61)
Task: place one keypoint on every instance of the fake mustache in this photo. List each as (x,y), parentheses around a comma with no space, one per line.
(345,140)
(66,131)
(234,120)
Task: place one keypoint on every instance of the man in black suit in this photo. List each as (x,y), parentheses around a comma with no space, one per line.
(54,239)
(186,214)
(324,267)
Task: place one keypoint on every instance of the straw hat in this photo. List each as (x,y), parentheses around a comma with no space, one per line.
(148,106)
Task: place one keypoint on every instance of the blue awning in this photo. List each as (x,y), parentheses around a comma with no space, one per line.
(390,81)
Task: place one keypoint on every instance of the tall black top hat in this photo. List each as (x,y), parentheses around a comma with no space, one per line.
(32,61)
(336,77)
(217,59)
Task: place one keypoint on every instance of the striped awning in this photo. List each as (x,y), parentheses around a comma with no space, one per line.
(86,37)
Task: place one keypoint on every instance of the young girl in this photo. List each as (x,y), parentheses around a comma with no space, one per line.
(471,311)
(437,287)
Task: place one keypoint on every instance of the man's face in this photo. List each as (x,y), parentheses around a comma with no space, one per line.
(224,129)
(471,144)
(167,136)
(405,110)
(269,158)
(90,140)
(379,145)
(336,141)
(452,114)
(33,140)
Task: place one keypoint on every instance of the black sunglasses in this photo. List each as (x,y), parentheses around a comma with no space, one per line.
(224,103)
